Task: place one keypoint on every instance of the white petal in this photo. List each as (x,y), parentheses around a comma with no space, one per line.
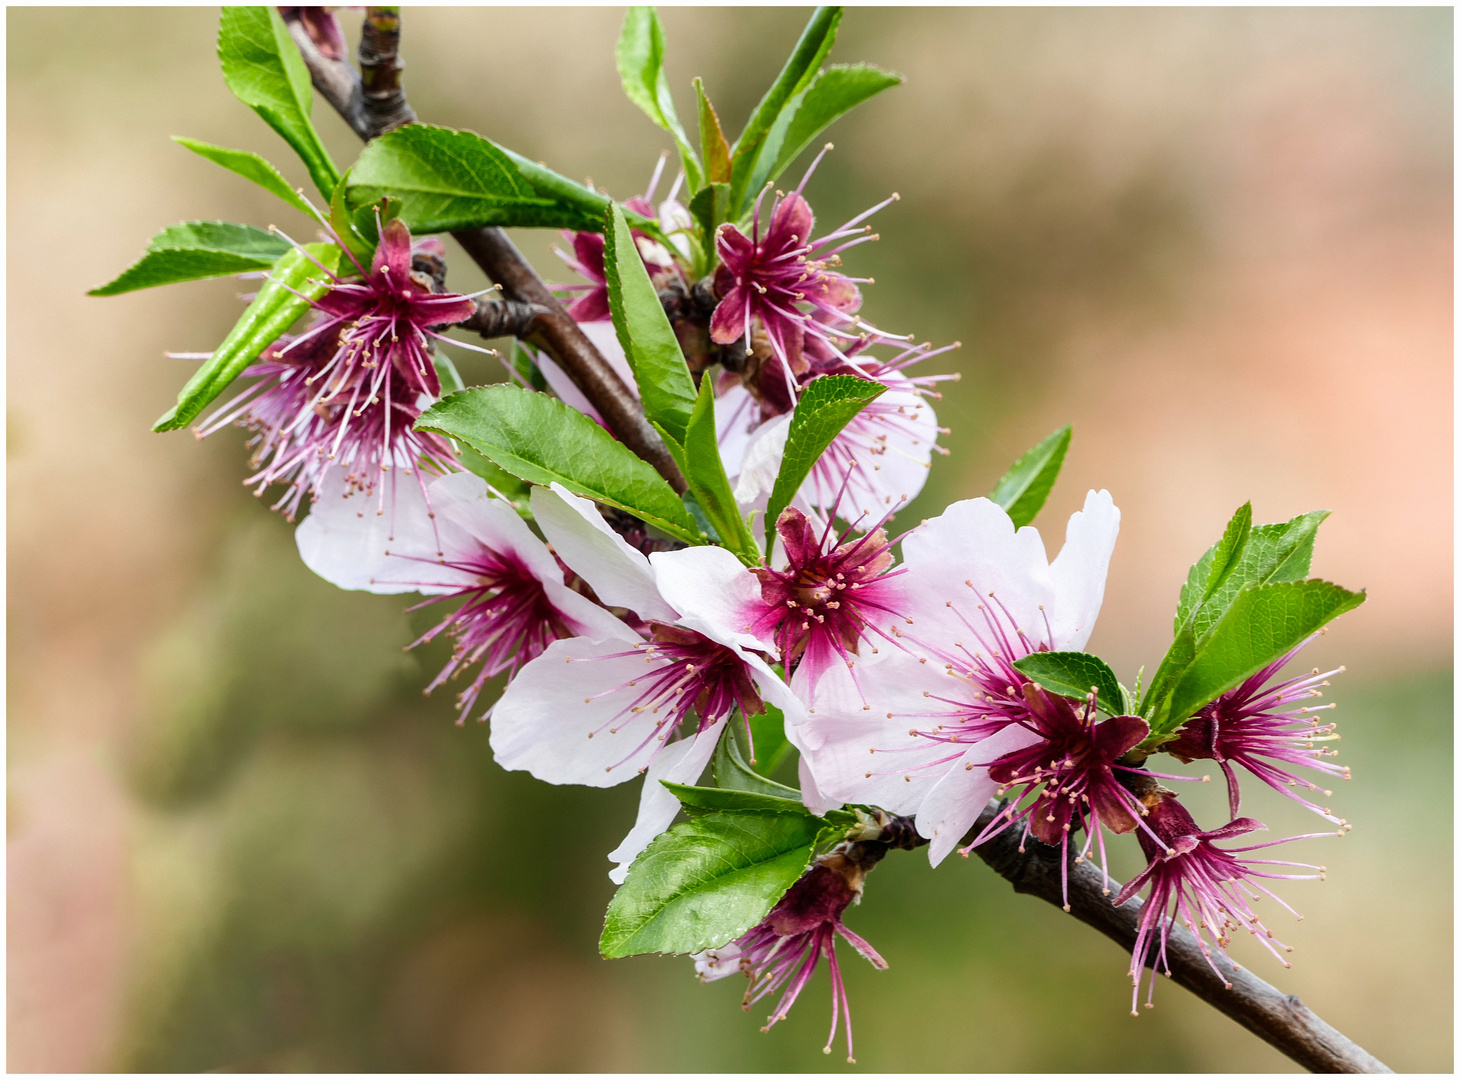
(347,540)
(954,803)
(679,763)
(762,462)
(618,574)
(847,741)
(462,499)
(715,964)
(892,441)
(811,794)
(713,592)
(1078,572)
(585,617)
(543,722)
(996,579)
(736,416)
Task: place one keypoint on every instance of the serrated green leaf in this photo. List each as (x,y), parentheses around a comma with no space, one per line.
(1024,488)
(702,800)
(827,405)
(648,340)
(1073,674)
(295,280)
(1247,555)
(640,56)
(732,773)
(578,207)
(707,881)
(713,147)
(1272,553)
(263,68)
(834,93)
(251,167)
(1262,623)
(449,180)
(196,250)
(805,60)
(539,439)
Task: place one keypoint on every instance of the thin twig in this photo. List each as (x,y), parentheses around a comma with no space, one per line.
(553,329)
(383,97)
(1277,1018)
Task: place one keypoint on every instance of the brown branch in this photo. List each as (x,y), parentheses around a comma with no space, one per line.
(383,97)
(503,318)
(553,329)
(1277,1018)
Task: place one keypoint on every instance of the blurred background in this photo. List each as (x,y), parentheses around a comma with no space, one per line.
(1218,241)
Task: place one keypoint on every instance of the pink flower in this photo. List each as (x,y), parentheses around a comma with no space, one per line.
(914,729)
(1260,728)
(1071,773)
(1206,887)
(467,547)
(824,602)
(781,280)
(785,947)
(598,712)
(347,391)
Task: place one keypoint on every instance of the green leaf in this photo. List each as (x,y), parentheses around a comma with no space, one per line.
(713,146)
(649,343)
(448,180)
(577,207)
(702,800)
(522,362)
(827,405)
(1247,555)
(196,250)
(699,460)
(541,440)
(358,230)
(805,60)
(295,280)
(707,881)
(1022,490)
(641,69)
(251,167)
(709,208)
(836,91)
(731,771)
(263,68)
(1272,553)
(1074,674)
(1262,624)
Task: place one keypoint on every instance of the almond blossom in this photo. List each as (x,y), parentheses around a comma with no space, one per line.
(915,728)
(1208,888)
(468,547)
(347,391)
(598,712)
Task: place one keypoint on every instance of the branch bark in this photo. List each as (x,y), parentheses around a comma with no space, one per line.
(553,329)
(1279,1019)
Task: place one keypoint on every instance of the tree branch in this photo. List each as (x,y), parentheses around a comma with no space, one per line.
(531,312)
(553,329)
(1277,1018)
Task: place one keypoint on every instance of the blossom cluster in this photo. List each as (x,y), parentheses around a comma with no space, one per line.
(932,686)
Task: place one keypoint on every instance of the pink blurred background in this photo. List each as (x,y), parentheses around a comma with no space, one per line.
(1218,241)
